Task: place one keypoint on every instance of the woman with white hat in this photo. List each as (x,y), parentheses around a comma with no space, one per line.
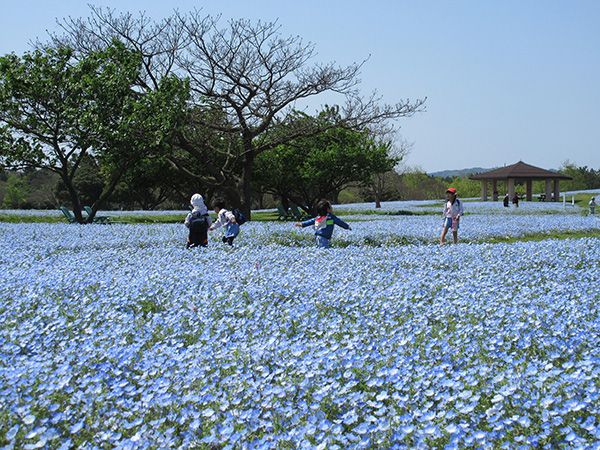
(198,221)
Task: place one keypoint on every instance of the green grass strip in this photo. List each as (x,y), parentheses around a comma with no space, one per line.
(570,234)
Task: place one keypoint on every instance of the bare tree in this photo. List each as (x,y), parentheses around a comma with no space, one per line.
(256,76)
(156,42)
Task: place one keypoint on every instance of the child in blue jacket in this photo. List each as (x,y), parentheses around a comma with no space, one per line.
(324,223)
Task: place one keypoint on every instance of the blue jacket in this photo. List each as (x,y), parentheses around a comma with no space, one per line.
(324,225)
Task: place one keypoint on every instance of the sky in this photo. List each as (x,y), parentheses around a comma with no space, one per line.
(504,80)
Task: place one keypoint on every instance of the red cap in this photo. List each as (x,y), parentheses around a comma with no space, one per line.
(451,190)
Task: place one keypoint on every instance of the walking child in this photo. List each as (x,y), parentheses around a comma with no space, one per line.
(453,210)
(197,222)
(225,218)
(592,205)
(324,224)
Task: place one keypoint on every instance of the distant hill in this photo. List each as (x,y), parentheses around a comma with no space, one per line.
(458,172)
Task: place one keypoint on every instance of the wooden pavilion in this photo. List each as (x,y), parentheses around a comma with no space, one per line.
(520,173)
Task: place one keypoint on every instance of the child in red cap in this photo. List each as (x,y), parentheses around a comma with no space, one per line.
(453,209)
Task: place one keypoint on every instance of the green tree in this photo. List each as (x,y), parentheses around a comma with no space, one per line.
(42,184)
(583,177)
(151,182)
(381,183)
(320,166)
(382,187)
(209,157)
(16,192)
(415,184)
(466,187)
(87,182)
(56,111)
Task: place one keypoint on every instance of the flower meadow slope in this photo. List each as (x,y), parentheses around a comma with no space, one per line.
(118,337)
(414,206)
(471,207)
(426,229)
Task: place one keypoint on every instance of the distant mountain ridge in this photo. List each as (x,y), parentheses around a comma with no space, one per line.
(458,172)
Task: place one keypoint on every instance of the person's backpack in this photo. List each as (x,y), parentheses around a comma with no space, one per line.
(240,218)
(198,223)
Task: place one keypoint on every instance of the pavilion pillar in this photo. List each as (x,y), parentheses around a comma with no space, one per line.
(495,190)
(549,189)
(529,190)
(484,186)
(556,190)
(511,188)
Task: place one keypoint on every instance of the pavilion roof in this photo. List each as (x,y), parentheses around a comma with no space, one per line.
(519,170)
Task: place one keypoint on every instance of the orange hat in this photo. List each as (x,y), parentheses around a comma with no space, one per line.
(451,190)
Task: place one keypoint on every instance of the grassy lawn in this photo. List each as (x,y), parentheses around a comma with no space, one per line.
(543,236)
(12,218)
(339,211)
(147,218)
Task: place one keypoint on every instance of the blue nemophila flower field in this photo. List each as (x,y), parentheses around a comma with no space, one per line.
(414,206)
(116,336)
(471,207)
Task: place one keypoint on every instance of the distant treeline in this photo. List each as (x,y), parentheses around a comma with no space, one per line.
(161,189)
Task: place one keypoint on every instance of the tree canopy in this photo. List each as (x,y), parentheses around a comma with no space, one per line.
(55,111)
(245,79)
(321,165)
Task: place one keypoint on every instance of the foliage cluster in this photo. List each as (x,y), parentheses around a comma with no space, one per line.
(149,106)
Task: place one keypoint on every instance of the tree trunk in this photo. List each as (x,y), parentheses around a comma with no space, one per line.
(106,193)
(261,201)
(229,193)
(247,184)
(378,188)
(74,199)
(335,197)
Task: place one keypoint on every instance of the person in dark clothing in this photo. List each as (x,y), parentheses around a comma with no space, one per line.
(198,222)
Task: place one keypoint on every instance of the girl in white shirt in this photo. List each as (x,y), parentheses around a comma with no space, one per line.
(225,218)
(453,210)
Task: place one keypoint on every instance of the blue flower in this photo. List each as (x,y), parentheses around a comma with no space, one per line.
(380,346)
